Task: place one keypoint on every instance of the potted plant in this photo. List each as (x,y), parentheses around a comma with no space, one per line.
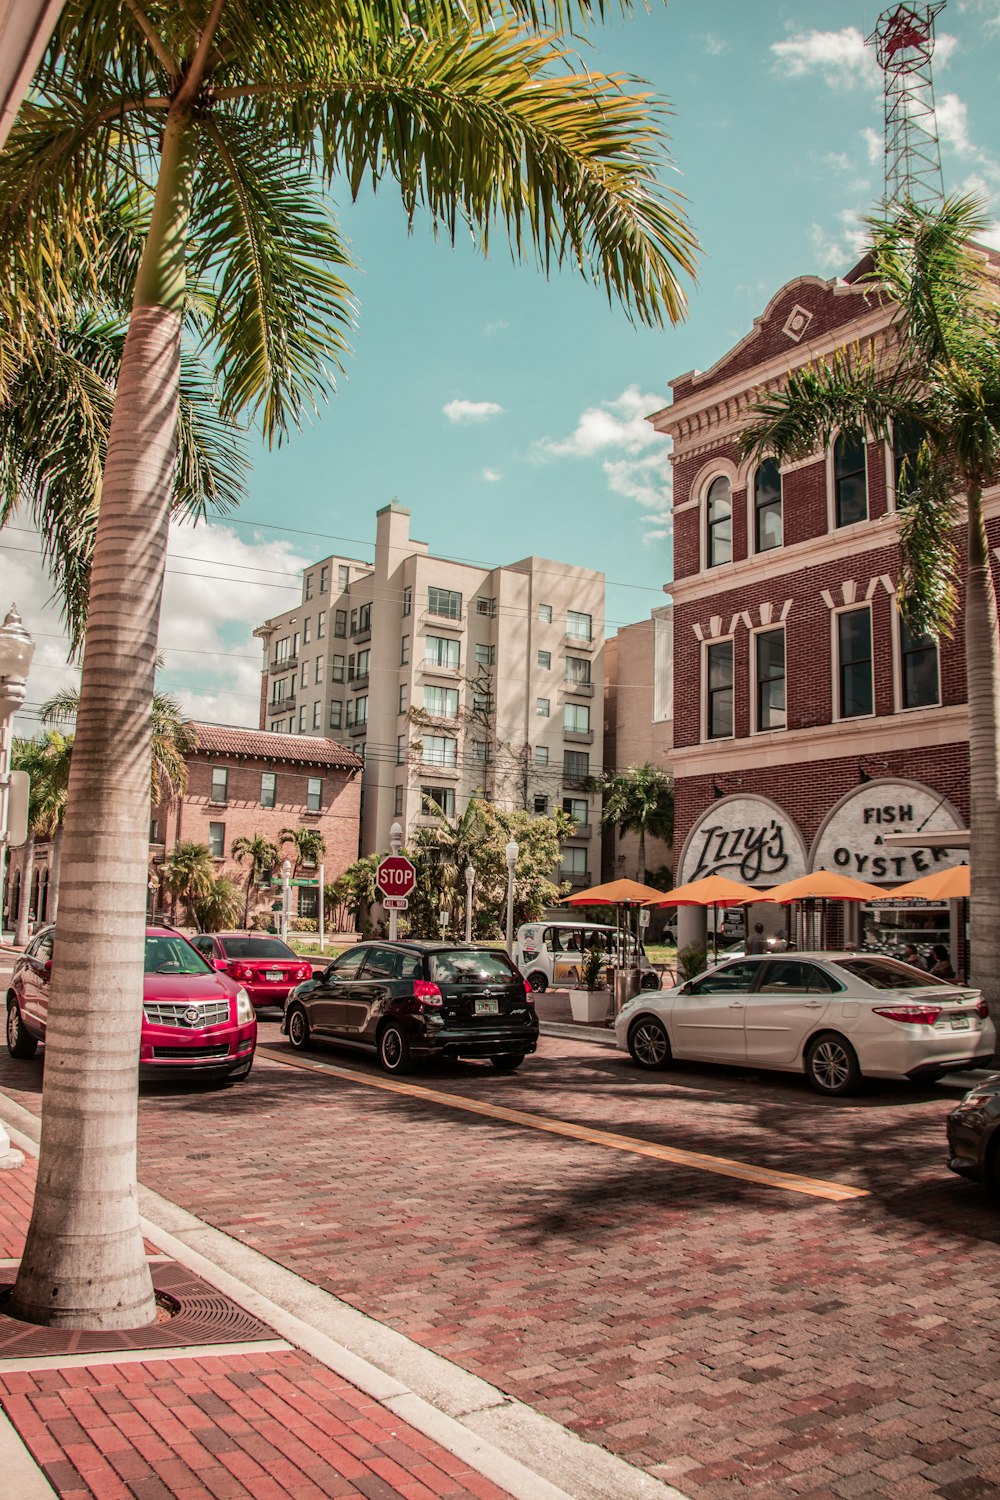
(589,1001)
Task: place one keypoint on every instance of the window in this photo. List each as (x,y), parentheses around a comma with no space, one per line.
(220,783)
(279,691)
(364,619)
(314,794)
(578,626)
(337,669)
(854,663)
(767,527)
(486,656)
(340,622)
(354,620)
(578,670)
(444,602)
(541,755)
(770,679)
(441,796)
(324,578)
(719,523)
(364,663)
(320,668)
(304,675)
(361,709)
(542,707)
(850,480)
(733,979)
(402,745)
(407,600)
(439,750)
(308,902)
(719,716)
(397,806)
(404,651)
(321,625)
(268,785)
(918,656)
(291,725)
(545,614)
(482,703)
(309,585)
(577,809)
(281,651)
(795,975)
(302,719)
(545,660)
(317,714)
(541,805)
(306,631)
(486,607)
(576,765)
(337,713)
(295,644)
(906,440)
(402,698)
(217,840)
(441,652)
(441,702)
(343,577)
(573,863)
(576,718)
(481,751)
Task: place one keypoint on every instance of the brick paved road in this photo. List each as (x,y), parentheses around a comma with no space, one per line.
(730,1337)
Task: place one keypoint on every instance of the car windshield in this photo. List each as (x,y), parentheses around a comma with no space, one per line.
(256,947)
(887,974)
(471,966)
(173,955)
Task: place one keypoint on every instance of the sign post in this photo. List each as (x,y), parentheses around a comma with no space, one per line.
(396,878)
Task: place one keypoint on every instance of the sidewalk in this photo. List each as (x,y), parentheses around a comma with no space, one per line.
(259,1384)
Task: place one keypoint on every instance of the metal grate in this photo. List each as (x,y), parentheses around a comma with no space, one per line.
(187,1015)
(191,1054)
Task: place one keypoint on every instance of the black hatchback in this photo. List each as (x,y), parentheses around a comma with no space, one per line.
(415,1000)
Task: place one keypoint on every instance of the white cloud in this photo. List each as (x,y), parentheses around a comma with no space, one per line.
(715,45)
(838,161)
(874,144)
(471,411)
(647,481)
(838,251)
(492,475)
(620,423)
(841,57)
(496,327)
(952,115)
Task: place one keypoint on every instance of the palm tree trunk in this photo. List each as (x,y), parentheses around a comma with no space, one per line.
(641,876)
(982,657)
(24,892)
(84,1263)
(55,872)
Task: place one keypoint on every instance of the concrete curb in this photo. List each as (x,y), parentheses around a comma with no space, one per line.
(508,1442)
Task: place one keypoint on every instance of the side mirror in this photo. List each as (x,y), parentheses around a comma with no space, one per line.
(219,963)
(686,987)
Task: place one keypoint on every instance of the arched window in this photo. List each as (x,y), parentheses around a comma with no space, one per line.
(906,439)
(850,477)
(719,532)
(767,525)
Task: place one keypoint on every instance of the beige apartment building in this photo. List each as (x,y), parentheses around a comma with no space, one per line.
(638,724)
(448,679)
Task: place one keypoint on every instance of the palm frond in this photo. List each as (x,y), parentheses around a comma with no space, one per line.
(928,589)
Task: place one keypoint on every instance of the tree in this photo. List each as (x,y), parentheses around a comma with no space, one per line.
(239,110)
(939,384)
(639,800)
(309,843)
(262,855)
(58,757)
(46,800)
(218,906)
(188,873)
(442,853)
(172,738)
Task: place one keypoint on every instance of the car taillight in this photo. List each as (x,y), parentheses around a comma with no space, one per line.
(304,971)
(911,1015)
(982,1009)
(426,992)
(529,995)
(240,971)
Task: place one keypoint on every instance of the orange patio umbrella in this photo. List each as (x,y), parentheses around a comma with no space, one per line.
(940,885)
(614,893)
(713,891)
(823,885)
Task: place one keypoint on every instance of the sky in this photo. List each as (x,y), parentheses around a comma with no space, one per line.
(506,411)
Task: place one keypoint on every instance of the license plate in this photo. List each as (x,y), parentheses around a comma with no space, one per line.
(274,974)
(487,1007)
(959,1023)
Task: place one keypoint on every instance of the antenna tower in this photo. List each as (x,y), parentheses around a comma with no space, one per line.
(904,43)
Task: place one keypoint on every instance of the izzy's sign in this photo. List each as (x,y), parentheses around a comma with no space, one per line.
(747,838)
(853,838)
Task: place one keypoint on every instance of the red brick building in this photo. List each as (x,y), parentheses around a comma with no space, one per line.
(808,724)
(243,782)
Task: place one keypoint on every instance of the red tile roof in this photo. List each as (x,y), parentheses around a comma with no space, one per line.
(227,739)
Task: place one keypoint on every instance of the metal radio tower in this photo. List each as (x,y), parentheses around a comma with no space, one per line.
(904,43)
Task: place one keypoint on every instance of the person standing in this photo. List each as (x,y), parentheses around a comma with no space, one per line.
(940,965)
(758,942)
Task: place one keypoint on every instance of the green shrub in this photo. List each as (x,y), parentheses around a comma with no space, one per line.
(691,961)
(591,970)
(303,924)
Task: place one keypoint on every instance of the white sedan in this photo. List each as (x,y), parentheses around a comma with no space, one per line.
(838,1017)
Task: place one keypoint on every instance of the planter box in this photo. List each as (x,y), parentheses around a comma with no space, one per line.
(589,1007)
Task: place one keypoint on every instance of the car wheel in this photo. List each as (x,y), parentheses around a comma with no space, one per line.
(298,1027)
(506,1062)
(394,1049)
(537,982)
(832,1064)
(20,1042)
(649,1044)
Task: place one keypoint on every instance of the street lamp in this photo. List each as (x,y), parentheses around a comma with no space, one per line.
(470,880)
(511,852)
(286,897)
(16,650)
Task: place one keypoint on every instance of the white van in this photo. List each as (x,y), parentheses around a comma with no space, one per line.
(553,953)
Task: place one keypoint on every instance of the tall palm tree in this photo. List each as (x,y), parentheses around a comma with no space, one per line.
(262,854)
(172,738)
(188,872)
(640,800)
(218,906)
(451,844)
(240,108)
(941,381)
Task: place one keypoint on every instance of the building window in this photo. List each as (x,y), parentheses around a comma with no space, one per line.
(576,718)
(291,725)
(850,480)
(578,670)
(440,702)
(444,602)
(337,713)
(573,863)
(309,585)
(308,902)
(576,765)
(324,578)
(361,709)
(854,664)
(578,626)
(482,703)
(407,600)
(314,794)
(402,698)
(719,523)
(402,745)
(545,660)
(220,783)
(486,607)
(441,652)
(770,679)
(767,524)
(541,805)
(306,631)
(340,622)
(919,669)
(364,663)
(542,707)
(337,669)
(397,806)
(317,714)
(364,619)
(318,674)
(404,651)
(281,651)
(545,614)
(577,809)
(217,840)
(268,787)
(439,750)
(354,620)
(441,796)
(486,656)
(719,716)
(279,691)
(321,625)
(541,755)
(304,675)
(481,751)
(343,577)
(302,719)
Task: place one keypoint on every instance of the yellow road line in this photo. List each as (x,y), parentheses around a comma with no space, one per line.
(793,1182)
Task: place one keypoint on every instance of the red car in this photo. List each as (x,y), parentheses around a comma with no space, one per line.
(265,966)
(194,1020)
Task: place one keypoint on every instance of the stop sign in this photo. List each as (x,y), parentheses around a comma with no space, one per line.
(395,876)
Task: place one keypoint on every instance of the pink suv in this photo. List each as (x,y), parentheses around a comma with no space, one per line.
(194,1020)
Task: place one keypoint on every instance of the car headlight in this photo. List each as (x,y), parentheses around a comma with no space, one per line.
(244,1007)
